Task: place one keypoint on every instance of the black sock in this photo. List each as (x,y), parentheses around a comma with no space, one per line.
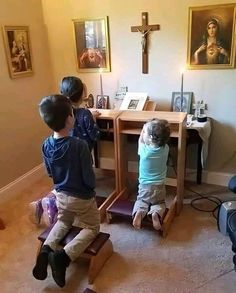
(40,269)
(59,261)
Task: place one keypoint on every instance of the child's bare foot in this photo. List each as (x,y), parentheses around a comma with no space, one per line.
(137,220)
(156,221)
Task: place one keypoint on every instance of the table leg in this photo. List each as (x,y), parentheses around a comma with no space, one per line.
(199,163)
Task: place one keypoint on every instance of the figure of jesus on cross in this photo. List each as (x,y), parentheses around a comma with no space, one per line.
(145,29)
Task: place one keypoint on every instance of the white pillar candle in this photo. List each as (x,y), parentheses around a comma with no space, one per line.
(182,88)
(101,85)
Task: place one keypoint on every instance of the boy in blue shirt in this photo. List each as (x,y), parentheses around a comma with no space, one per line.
(153,151)
(85,128)
(69,164)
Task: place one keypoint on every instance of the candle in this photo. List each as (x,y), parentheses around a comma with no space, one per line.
(101,87)
(182,87)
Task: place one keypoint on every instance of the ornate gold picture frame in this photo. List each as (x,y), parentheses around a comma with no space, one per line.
(211,37)
(92,44)
(18,50)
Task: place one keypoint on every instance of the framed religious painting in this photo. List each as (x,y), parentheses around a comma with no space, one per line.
(181,103)
(102,102)
(92,44)
(18,50)
(211,37)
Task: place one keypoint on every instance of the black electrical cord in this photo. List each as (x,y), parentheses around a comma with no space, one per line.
(213,199)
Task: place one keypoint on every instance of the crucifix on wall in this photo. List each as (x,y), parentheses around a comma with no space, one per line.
(145,29)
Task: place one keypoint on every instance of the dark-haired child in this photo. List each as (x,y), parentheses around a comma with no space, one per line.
(68,162)
(85,128)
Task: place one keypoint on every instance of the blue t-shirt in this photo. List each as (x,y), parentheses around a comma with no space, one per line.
(152,164)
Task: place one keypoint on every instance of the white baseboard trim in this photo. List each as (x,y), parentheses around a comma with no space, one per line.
(15,187)
(24,181)
(107,163)
(216,178)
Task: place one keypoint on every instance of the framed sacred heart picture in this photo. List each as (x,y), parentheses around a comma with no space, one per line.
(92,44)
(211,37)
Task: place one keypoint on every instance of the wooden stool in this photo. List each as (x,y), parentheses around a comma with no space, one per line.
(124,208)
(87,290)
(97,252)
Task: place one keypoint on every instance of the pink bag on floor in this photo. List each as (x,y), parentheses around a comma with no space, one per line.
(49,209)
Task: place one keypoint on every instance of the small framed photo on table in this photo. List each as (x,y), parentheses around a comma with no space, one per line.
(134,101)
(181,103)
(102,102)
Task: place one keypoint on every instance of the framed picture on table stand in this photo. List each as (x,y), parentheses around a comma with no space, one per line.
(134,101)
(181,104)
(102,102)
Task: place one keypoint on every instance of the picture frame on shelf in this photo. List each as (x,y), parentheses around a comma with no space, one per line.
(134,101)
(181,105)
(102,102)
(92,44)
(211,37)
(18,50)
(90,101)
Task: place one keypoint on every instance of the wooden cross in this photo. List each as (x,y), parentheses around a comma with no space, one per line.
(144,29)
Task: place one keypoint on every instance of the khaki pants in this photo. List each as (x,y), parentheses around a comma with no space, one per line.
(150,199)
(69,208)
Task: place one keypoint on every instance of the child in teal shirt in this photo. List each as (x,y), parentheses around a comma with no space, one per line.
(153,151)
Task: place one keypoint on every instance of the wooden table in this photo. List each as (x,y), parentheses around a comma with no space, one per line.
(199,133)
(130,123)
(107,124)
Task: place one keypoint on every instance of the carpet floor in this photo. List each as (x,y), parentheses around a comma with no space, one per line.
(194,257)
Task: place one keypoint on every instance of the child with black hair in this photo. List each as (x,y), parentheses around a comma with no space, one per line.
(85,128)
(153,151)
(68,162)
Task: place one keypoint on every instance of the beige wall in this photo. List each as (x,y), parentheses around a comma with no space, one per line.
(168,51)
(21,130)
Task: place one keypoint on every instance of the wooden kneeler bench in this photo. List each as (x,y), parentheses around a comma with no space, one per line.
(98,252)
(123,208)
